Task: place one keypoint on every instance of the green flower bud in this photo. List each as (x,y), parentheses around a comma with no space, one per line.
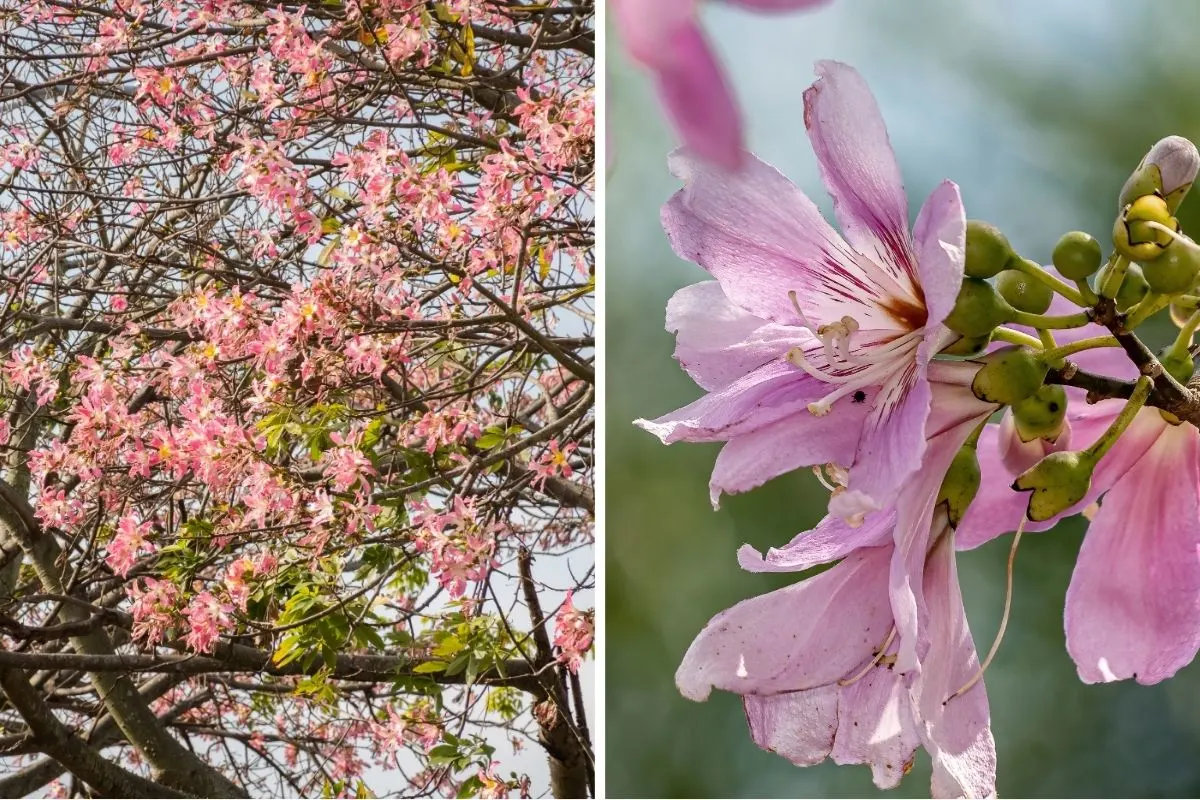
(969,346)
(961,484)
(1058,481)
(1041,415)
(1168,169)
(1133,235)
(978,309)
(1133,288)
(1024,292)
(1177,361)
(1176,270)
(1145,180)
(1077,256)
(1009,375)
(988,249)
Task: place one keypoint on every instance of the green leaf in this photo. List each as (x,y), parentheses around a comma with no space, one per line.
(470,787)
(327,251)
(429,667)
(448,647)
(489,441)
(288,650)
(443,754)
(457,665)
(367,636)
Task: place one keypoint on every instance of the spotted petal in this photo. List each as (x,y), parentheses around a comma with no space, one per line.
(800,726)
(803,636)
(876,726)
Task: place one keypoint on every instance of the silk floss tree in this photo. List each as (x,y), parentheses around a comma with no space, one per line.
(296,398)
(948,391)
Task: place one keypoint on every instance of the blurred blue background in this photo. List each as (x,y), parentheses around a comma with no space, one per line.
(1038,109)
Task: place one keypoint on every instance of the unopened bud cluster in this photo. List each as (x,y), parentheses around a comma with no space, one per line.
(1004,321)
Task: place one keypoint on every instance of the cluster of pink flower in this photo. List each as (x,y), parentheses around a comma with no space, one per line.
(20,154)
(573,633)
(294,321)
(154,608)
(823,350)
(418,724)
(18,228)
(128,544)
(461,547)
(554,461)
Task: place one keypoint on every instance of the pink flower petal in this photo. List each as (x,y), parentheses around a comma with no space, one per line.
(645,24)
(860,170)
(957,733)
(761,237)
(1133,606)
(698,99)
(893,438)
(940,235)
(770,393)
(799,726)
(800,440)
(830,540)
(895,435)
(876,727)
(915,516)
(717,342)
(803,636)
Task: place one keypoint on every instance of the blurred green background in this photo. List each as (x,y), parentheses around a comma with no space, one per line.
(1038,109)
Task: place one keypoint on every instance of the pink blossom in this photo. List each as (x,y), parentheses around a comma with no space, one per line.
(461,548)
(1133,604)
(128,543)
(346,466)
(860,663)
(207,618)
(419,724)
(553,462)
(664,37)
(573,631)
(239,574)
(492,785)
(153,608)
(813,348)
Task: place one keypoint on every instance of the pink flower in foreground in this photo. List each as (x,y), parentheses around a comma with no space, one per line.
(1133,605)
(860,663)
(128,543)
(573,632)
(207,617)
(153,609)
(665,37)
(491,785)
(813,348)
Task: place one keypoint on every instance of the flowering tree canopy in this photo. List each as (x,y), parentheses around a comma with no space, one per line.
(296,396)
